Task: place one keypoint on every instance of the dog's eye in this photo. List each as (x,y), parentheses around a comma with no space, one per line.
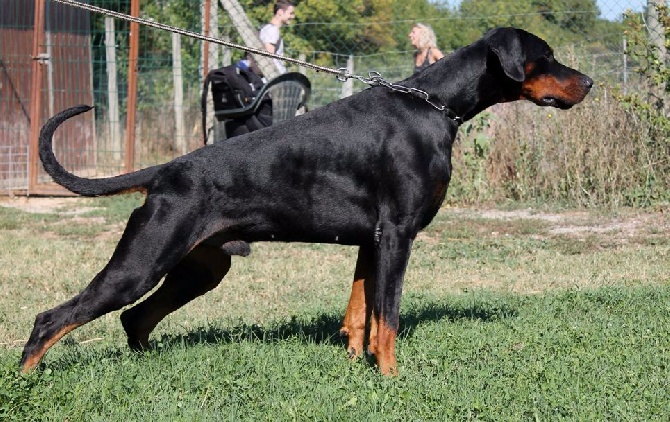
(549,56)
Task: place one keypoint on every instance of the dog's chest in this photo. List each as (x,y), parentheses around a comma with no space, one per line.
(436,189)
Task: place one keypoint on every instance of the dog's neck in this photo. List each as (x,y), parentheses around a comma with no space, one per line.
(462,82)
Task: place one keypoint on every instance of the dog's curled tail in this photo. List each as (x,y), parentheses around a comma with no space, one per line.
(136,181)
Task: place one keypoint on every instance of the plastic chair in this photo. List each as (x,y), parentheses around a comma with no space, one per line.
(288,92)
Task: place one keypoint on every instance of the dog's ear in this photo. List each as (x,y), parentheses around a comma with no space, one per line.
(505,43)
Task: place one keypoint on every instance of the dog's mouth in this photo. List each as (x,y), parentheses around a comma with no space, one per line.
(555,102)
(552,92)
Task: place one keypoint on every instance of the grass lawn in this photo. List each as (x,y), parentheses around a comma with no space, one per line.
(507,315)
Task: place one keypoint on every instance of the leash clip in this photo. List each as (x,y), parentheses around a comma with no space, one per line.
(343,74)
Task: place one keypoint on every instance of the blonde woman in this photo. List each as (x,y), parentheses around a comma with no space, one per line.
(423,39)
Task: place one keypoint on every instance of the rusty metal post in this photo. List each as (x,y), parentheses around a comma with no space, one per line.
(36,94)
(205,47)
(132,88)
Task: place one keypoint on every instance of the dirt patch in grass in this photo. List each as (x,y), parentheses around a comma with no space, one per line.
(76,221)
(47,205)
(626,224)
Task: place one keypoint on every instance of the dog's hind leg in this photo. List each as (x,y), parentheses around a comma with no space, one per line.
(145,253)
(359,309)
(199,272)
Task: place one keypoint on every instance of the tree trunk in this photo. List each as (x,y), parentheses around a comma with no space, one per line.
(250,37)
(657,39)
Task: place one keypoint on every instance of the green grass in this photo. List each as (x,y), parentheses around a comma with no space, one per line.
(600,355)
(502,319)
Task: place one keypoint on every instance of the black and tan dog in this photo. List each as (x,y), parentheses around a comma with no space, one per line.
(370,170)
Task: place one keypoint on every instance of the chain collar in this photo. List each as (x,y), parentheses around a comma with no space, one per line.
(376,79)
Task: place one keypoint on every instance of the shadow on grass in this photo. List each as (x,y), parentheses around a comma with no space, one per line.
(324,328)
(320,329)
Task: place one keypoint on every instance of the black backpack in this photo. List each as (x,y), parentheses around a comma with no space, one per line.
(232,88)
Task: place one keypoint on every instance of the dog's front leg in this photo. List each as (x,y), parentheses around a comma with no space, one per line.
(359,309)
(393,249)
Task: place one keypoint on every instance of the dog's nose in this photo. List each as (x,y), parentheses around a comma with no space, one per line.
(587,82)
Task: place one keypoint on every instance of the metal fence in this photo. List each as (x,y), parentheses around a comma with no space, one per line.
(146,83)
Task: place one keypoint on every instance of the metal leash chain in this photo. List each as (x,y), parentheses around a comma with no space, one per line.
(376,79)
(373,79)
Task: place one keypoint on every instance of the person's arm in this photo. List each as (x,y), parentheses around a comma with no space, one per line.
(269,47)
(436,54)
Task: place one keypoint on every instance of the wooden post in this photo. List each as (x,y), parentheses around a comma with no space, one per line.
(35,94)
(51,109)
(348,85)
(226,53)
(180,135)
(112,90)
(214,49)
(625,65)
(132,88)
(211,29)
(302,69)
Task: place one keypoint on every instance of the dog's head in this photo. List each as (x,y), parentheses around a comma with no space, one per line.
(535,74)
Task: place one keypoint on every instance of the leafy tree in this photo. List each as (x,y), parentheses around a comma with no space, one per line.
(573,15)
(556,21)
(353,26)
(439,16)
